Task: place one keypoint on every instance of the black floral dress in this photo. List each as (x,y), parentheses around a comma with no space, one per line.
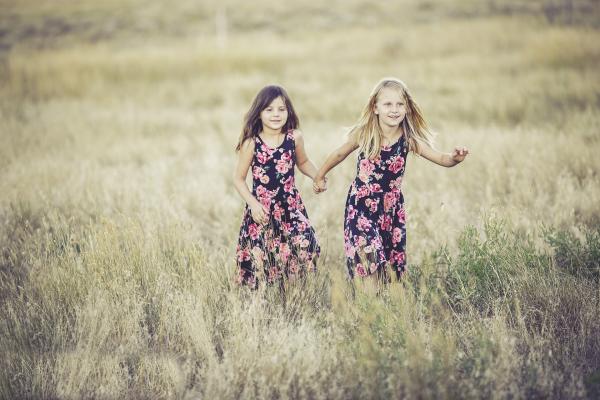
(374,223)
(286,246)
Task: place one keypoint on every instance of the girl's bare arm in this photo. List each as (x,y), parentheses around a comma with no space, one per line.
(305,165)
(444,159)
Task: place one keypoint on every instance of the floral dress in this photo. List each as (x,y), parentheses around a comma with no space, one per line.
(286,246)
(374,223)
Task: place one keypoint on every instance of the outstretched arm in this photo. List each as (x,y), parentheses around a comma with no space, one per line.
(305,165)
(444,159)
(333,159)
(259,212)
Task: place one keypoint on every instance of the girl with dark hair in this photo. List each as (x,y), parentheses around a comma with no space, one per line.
(277,241)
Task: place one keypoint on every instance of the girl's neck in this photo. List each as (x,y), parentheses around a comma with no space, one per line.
(391,131)
(270,132)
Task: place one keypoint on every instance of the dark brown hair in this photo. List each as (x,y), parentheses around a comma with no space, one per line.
(253,124)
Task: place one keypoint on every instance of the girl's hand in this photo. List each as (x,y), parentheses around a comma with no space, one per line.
(459,154)
(320,185)
(260,213)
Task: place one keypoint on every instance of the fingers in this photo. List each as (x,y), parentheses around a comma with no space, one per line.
(260,216)
(460,152)
(320,186)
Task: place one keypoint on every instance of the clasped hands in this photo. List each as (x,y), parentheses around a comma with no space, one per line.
(319,185)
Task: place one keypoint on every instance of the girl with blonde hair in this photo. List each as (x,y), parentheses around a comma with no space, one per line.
(390,126)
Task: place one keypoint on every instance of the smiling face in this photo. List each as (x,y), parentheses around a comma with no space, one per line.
(390,107)
(275,115)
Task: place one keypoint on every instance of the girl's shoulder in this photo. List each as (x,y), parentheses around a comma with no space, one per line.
(248,144)
(296,134)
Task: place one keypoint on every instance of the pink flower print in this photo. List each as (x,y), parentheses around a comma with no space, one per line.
(363,223)
(302,226)
(373,205)
(385,222)
(296,240)
(375,188)
(389,199)
(401,215)
(360,241)
(277,212)
(293,202)
(286,227)
(269,245)
(377,242)
(397,257)
(284,251)
(362,191)
(396,235)
(286,156)
(396,183)
(360,270)
(373,267)
(253,231)
(243,255)
(288,184)
(283,166)
(294,268)
(365,168)
(303,255)
(261,190)
(350,250)
(304,243)
(262,157)
(351,212)
(396,165)
(265,201)
(258,172)
(266,149)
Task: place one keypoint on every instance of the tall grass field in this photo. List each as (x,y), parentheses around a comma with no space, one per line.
(119,219)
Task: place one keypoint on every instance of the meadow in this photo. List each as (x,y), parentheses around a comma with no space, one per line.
(119,218)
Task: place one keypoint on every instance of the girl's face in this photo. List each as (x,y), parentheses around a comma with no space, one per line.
(275,115)
(390,107)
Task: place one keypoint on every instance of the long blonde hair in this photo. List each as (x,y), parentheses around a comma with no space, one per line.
(414,125)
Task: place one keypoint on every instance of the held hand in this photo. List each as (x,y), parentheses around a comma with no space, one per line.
(319,185)
(459,154)
(260,213)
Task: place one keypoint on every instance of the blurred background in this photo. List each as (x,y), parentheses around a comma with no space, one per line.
(119,121)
